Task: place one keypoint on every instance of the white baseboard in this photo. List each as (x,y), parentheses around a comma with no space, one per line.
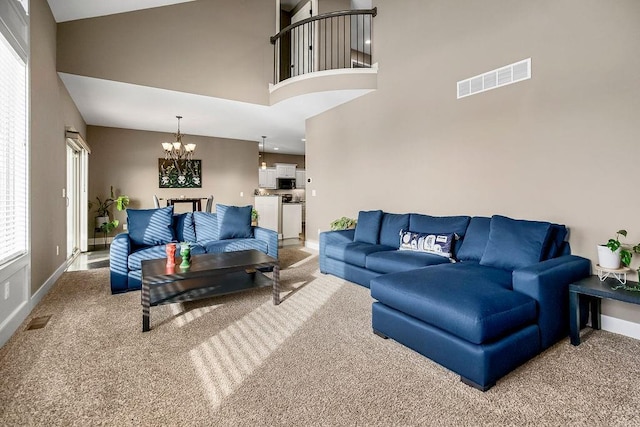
(46,286)
(312,244)
(11,324)
(620,326)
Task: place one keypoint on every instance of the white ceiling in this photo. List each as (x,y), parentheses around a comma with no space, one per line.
(116,104)
(69,10)
(122,105)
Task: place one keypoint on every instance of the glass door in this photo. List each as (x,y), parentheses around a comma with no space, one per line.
(73,200)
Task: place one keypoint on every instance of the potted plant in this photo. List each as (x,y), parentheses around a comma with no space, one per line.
(103,212)
(108,227)
(613,254)
(254,217)
(343,223)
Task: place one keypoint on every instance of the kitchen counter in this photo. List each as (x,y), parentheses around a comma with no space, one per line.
(291,220)
(269,215)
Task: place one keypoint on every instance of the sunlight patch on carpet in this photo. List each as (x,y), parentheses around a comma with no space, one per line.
(183,318)
(226,359)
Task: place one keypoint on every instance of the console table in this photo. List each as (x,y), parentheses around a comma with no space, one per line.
(595,290)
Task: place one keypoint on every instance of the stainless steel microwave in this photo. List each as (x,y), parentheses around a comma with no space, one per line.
(286,183)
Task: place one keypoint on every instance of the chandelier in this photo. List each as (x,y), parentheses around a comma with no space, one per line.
(176,150)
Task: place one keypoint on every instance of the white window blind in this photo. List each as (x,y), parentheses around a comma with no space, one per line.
(13,153)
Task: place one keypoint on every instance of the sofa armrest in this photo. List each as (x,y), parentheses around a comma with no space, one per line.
(119,263)
(270,237)
(333,237)
(548,283)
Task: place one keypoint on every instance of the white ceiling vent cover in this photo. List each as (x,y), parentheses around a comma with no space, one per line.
(502,76)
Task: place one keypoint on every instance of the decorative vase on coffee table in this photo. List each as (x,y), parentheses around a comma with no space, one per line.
(170,249)
(185,253)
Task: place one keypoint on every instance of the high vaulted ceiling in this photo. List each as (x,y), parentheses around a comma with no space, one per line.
(129,106)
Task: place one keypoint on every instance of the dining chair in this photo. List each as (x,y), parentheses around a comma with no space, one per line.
(156,202)
(209,204)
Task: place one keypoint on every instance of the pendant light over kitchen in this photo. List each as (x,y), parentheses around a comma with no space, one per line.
(263,165)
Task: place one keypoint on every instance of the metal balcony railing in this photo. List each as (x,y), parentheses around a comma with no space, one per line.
(324,42)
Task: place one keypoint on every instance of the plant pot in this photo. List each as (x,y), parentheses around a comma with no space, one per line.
(607,258)
(101,220)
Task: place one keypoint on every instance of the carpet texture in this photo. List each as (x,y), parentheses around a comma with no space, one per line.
(239,360)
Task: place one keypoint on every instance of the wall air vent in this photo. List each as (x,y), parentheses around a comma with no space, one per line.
(502,76)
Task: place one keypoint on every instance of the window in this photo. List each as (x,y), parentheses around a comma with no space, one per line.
(13,152)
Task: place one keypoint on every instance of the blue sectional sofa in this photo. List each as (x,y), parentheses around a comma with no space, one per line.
(227,230)
(493,295)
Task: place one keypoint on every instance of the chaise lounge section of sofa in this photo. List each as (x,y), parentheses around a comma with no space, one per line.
(227,230)
(495,300)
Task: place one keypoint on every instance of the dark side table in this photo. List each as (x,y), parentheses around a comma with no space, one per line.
(595,290)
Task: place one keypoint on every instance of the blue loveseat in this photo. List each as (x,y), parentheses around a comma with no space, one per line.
(493,298)
(227,230)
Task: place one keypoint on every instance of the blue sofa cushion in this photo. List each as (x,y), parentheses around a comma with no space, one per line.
(184,227)
(368,227)
(475,239)
(440,244)
(150,227)
(390,228)
(438,224)
(233,245)
(513,243)
(394,261)
(555,241)
(354,253)
(470,301)
(206,225)
(234,222)
(152,252)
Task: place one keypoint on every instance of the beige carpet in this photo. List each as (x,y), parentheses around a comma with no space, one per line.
(312,360)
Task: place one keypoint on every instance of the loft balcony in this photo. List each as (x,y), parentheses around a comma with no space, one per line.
(331,53)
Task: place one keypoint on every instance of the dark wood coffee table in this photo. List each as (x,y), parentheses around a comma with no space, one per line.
(209,275)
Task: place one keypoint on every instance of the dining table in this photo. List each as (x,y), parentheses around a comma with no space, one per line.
(196,202)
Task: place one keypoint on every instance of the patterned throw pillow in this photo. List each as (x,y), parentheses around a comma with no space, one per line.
(434,243)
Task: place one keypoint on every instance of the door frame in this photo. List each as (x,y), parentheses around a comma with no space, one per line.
(75,141)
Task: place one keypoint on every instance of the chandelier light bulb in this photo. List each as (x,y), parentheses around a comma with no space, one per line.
(176,150)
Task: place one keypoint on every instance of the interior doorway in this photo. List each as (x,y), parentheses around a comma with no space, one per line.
(76,194)
(296,55)
(73,201)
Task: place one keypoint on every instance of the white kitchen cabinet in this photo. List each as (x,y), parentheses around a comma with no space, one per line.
(301,178)
(291,220)
(285,170)
(267,178)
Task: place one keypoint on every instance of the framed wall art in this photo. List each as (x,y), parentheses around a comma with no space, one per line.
(183,173)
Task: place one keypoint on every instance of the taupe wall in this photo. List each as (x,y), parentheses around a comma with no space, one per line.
(51,109)
(128,160)
(218,48)
(561,147)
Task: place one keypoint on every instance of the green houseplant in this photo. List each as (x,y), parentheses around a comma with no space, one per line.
(613,254)
(254,217)
(343,223)
(103,211)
